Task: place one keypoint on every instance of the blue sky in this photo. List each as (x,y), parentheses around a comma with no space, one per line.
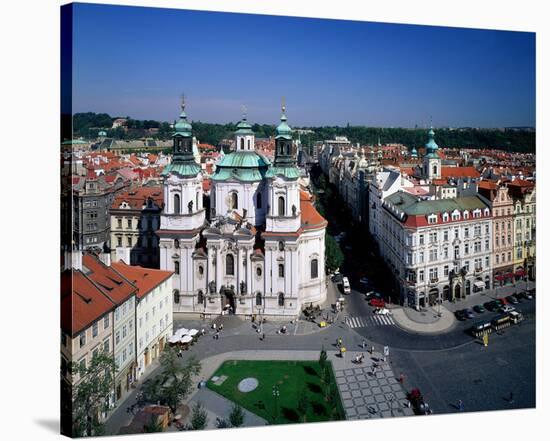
(137,61)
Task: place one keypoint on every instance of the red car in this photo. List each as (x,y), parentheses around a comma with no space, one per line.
(377,303)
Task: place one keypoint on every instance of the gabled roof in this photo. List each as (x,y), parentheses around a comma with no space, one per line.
(145,279)
(82,302)
(113,285)
(459,172)
(138,197)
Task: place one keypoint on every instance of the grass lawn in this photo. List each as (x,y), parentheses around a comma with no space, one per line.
(293,379)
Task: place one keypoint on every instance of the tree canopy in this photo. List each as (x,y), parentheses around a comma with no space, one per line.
(172,385)
(88,125)
(91,395)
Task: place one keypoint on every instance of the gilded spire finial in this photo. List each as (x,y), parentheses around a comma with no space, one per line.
(243,109)
(283,104)
(182,105)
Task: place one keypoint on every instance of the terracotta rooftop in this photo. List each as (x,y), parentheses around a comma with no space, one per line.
(137,197)
(145,279)
(459,172)
(82,302)
(109,281)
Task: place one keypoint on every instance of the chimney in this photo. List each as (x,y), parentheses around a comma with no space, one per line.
(72,259)
(105,258)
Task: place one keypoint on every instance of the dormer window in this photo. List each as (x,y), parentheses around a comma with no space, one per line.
(432,218)
(466,215)
(445,217)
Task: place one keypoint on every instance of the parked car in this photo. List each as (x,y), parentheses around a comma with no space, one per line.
(512,300)
(377,303)
(373,295)
(492,305)
(346,286)
(469,313)
(382,311)
(460,315)
(479,309)
(528,295)
(507,308)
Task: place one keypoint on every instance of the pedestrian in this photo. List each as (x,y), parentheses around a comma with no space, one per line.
(372,350)
(401,378)
(511,398)
(364,344)
(221,327)
(263,336)
(203,331)
(214,326)
(460,405)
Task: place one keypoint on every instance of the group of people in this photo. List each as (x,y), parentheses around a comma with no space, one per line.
(217,329)
(359,358)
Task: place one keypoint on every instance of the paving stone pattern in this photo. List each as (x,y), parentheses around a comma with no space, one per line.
(365,395)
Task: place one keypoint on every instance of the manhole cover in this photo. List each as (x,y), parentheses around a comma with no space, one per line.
(248,384)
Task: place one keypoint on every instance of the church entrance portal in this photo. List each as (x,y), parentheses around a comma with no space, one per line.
(228,301)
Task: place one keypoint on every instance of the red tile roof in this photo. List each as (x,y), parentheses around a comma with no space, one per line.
(137,197)
(109,281)
(487,185)
(145,279)
(82,302)
(459,172)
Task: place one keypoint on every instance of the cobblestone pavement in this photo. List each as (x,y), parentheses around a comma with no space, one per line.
(366,394)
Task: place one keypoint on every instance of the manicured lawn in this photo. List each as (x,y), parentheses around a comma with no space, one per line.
(293,378)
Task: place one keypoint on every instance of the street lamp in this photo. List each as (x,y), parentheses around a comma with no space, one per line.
(276,396)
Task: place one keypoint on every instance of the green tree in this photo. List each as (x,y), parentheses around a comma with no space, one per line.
(154,425)
(327,381)
(333,254)
(323,358)
(236,417)
(302,406)
(199,419)
(91,395)
(174,381)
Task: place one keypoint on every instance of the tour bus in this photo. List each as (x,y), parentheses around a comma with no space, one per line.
(498,323)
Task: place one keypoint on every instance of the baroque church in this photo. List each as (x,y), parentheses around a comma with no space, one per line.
(257,246)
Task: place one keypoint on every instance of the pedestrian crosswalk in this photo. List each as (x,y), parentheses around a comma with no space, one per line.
(374,320)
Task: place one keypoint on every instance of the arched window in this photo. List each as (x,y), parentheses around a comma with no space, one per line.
(288,149)
(234,201)
(201,270)
(176,296)
(259,299)
(177,204)
(248,144)
(259,200)
(281,206)
(200,297)
(281,299)
(281,270)
(314,268)
(242,143)
(259,271)
(176,267)
(435,170)
(229,265)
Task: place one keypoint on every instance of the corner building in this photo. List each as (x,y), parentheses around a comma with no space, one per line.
(260,249)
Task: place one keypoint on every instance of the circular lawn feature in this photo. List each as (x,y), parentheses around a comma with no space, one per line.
(248,384)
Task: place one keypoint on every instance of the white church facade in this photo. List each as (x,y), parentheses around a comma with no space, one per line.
(260,249)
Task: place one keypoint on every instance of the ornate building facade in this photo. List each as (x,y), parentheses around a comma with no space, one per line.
(261,247)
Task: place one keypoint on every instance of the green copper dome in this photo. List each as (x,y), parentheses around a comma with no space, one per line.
(242,165)
(183,127)
(244,128)
(431,145)
(283,129)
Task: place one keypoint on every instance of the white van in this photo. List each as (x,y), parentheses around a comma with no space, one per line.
(346,285)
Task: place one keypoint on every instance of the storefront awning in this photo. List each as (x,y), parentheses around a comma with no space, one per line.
(520,273)
(479,284)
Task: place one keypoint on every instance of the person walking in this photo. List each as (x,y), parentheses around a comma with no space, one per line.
(511,398)
(460,406)
(364,344)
